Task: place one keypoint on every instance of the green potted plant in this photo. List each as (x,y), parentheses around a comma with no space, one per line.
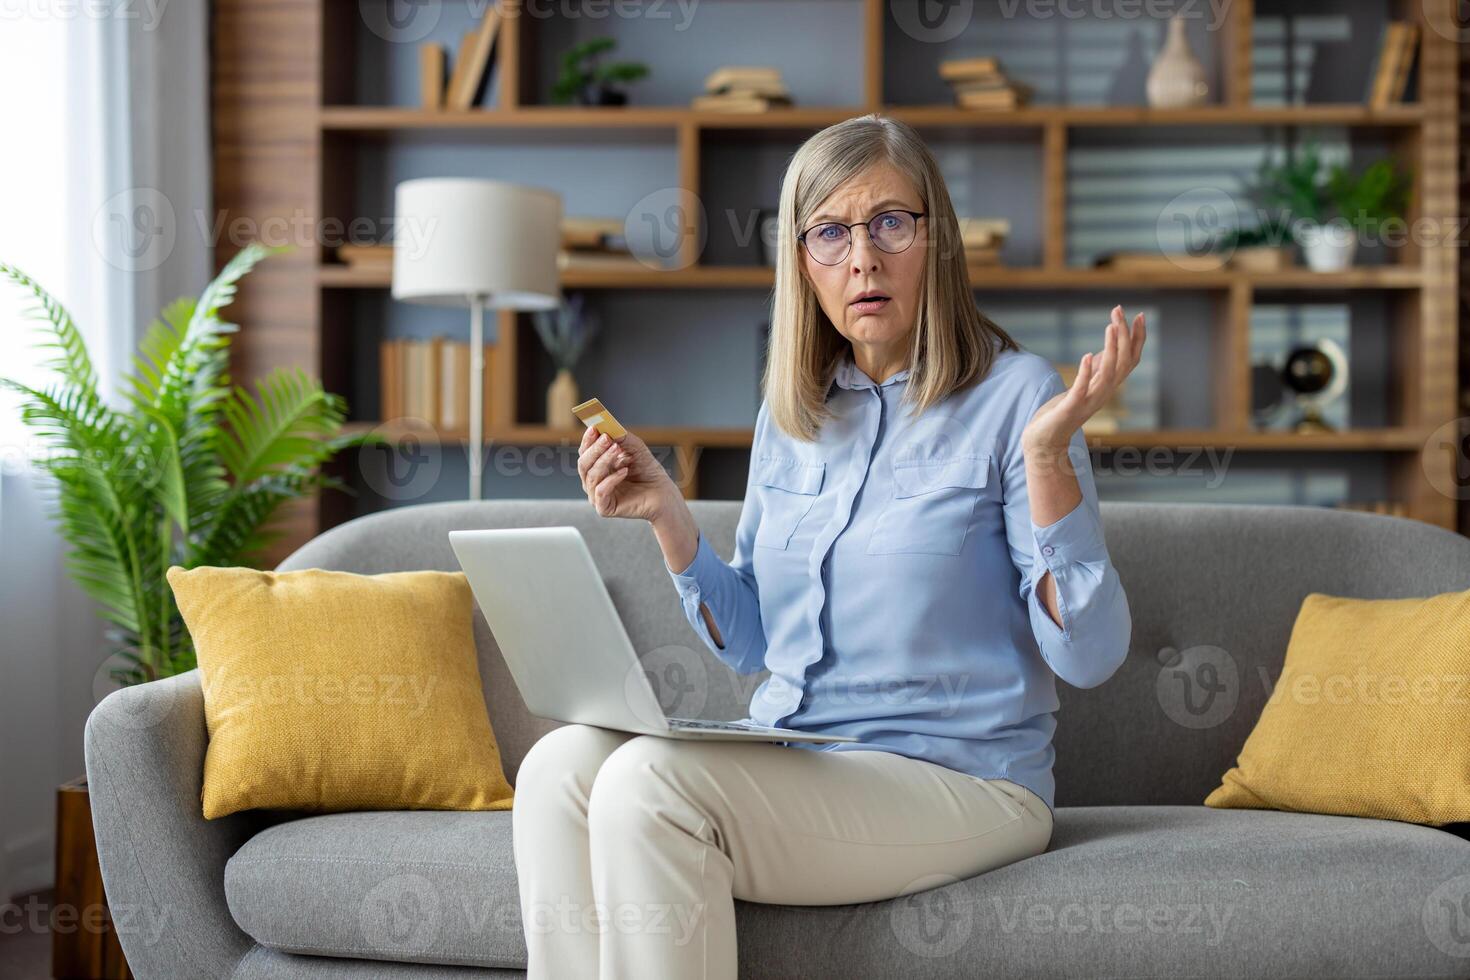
(1365,201)
(593,84)
(187,471)
(1327,209)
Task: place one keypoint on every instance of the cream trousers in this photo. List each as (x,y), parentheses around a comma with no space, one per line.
(631,849)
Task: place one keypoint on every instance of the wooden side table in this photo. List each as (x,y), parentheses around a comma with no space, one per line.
(84,943)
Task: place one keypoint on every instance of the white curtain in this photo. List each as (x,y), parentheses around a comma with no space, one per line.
(106,116)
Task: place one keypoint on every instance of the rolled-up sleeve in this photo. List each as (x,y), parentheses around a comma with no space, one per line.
(728,588)
(1092,640)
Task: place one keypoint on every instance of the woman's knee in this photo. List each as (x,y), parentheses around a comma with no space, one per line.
(638,784)
(573,750)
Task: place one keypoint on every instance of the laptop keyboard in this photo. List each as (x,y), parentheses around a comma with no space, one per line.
(731,726)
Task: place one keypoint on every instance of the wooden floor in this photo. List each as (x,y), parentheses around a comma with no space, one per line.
(25,954)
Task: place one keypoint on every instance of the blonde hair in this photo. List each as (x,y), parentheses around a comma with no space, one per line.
(954,343)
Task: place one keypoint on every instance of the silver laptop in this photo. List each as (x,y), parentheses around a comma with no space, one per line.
(564,643)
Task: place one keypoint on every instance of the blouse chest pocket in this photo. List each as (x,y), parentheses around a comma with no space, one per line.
(932,505)
(787,487)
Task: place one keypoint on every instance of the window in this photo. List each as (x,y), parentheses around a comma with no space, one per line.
(33,199)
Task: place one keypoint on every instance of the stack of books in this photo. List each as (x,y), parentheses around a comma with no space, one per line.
(471,66)
(979,83)
(1106,419)
(1166,262)
(586,243)
(427,378)
(373,257)
(1395,58)
(594,243)
(982,239)
(743,89)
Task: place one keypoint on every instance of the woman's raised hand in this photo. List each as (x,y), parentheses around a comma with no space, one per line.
(621,477)
(1051,428)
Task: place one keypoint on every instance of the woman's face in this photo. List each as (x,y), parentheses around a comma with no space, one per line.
(879,334)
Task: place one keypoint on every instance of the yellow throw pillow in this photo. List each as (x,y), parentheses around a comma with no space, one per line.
(1369,716)
(327,691)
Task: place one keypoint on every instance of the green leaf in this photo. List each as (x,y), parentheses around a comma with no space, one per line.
(72,360)
(173,491)
(191,472)
(281,426)
(159,345)
(102,486)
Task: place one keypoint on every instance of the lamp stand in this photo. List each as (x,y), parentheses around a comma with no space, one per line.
(477,391)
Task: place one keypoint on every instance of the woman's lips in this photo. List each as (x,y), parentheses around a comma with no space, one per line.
(869,305)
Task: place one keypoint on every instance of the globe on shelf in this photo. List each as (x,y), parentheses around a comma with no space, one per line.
(1317,375)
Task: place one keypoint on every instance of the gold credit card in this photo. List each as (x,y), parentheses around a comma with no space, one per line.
(596,417)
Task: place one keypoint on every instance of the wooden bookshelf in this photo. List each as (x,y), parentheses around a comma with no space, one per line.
(370,120)
(688,443)
(287,127)
(637,276)
(1382,440)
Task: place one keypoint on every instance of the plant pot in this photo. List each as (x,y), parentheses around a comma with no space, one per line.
(596,93)
(1329,247)
(82,952)
(561,395)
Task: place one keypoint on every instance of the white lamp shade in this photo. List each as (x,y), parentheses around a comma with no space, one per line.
(456,238)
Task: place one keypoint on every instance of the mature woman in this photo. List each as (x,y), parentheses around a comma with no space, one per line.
(919,555)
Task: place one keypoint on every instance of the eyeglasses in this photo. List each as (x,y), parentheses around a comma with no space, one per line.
(891,231)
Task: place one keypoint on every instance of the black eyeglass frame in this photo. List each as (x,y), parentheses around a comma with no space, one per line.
(916,215)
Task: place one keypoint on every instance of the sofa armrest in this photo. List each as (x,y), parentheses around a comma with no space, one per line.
(163,864)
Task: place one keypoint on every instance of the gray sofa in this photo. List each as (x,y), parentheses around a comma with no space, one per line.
(1140,880)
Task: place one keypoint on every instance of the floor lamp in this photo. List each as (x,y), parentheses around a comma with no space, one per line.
(481,244)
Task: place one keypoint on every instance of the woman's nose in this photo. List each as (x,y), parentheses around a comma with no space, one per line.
(864,254)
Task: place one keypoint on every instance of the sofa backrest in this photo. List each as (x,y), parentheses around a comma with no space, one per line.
(1213,590)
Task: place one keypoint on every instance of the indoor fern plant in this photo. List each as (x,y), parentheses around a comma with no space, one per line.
(187,472)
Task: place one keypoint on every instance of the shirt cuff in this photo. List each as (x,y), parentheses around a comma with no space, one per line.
(691,579)
(1076,537)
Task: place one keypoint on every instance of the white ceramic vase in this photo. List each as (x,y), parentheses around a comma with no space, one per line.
(1177,79)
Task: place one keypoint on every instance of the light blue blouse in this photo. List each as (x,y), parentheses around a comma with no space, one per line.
(886,576)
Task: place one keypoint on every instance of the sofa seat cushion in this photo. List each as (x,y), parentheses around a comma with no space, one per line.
(409,886)
(1122,891)
(267,964)
(1160,891)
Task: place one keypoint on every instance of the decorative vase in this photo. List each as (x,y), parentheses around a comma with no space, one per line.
(1177,79)
(561,395)
(1329,247)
